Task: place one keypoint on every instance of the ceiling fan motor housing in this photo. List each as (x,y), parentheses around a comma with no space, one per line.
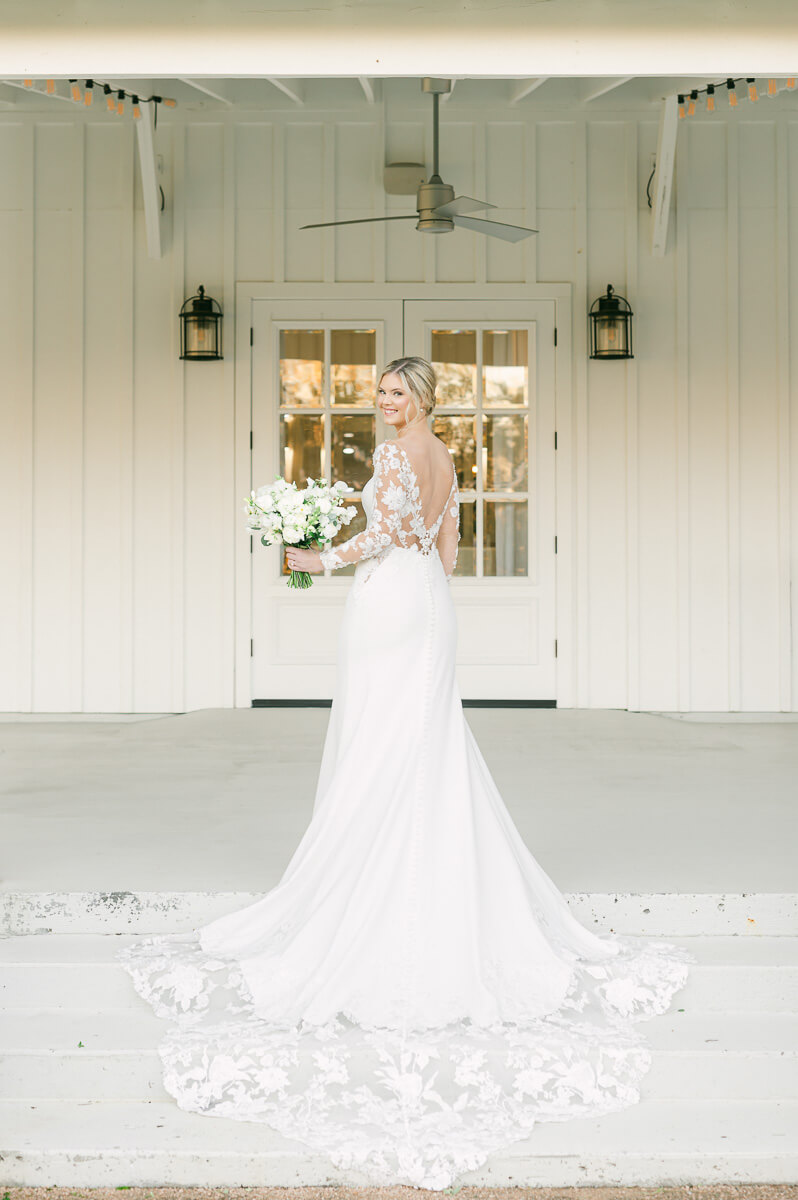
(430,195)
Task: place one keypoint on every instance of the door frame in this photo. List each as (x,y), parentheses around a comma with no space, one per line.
(566,616)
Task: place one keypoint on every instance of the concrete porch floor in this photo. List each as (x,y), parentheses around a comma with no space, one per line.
(217,799)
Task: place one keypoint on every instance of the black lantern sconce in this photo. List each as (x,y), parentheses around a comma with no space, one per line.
(201,329)
(610,327)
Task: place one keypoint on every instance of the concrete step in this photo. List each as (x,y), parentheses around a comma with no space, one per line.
(95,1144)
(78,971)
(91,1055)
(653,915)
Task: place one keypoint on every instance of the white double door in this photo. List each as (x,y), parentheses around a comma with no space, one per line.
(314,371)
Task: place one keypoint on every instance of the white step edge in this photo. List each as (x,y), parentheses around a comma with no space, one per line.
(113,1055)
(654,1143)
(655,914)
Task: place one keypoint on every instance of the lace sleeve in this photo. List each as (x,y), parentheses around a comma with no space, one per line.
(384,527)
(449,535)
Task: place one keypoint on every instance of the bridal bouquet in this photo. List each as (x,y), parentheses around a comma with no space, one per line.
(284,515)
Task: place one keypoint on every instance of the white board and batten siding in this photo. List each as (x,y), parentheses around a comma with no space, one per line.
(121,467)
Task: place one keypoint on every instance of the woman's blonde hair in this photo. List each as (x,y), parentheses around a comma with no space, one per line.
(418,377)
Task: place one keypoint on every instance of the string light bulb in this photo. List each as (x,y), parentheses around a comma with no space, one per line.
(169,102)
(732,93)
(691,105)
(87,99)
(791,82)
(110,103)
(136,109)
(75,91)
(772,89)
(50,87)
(28,82)
(681,106)
(710,97)
(120,106)
(752,92)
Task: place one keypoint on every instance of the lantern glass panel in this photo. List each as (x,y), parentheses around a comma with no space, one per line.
(611,336)
(202,335)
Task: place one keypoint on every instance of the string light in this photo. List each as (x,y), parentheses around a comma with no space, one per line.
(688,101)
(114,98)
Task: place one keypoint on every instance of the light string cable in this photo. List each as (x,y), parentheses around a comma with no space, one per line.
(114,97)
(688,101)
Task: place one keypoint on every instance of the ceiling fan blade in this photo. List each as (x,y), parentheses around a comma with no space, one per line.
(461,204)
(508,233)
(360,221)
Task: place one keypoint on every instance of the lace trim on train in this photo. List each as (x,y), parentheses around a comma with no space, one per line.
(420,1107)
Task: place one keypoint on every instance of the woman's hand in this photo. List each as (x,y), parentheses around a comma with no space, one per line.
(303,560)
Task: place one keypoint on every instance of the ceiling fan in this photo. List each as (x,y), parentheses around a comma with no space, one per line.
(438,209)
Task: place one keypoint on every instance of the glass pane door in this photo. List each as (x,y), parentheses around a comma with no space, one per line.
(327,390)
(482,415)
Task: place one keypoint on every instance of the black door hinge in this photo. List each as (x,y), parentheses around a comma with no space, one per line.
(251,336)
(250,439)
(555,439)
(555,543)
(555,335)
(555,647)
(251,647)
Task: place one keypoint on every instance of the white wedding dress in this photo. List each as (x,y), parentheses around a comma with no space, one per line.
(415,993)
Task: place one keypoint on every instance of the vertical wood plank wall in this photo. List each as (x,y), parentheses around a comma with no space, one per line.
(117,499)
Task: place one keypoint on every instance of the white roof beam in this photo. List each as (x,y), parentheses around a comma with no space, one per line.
(526,87)
(609,85)
(206,91)
(292,89)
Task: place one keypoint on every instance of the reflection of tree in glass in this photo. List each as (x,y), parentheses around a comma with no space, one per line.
(507,457)
(505,385)
(354,384)
(455,382)
(300,381)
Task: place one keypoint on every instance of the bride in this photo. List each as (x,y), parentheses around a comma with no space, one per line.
(415,993)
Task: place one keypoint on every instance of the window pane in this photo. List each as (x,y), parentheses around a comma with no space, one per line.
(454,357)
(459,435)
(506,529)
(467,549)
(506,452)
(301,447)
(301,362)
(354,366)
(356,525)
(352,448)
(505,370)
